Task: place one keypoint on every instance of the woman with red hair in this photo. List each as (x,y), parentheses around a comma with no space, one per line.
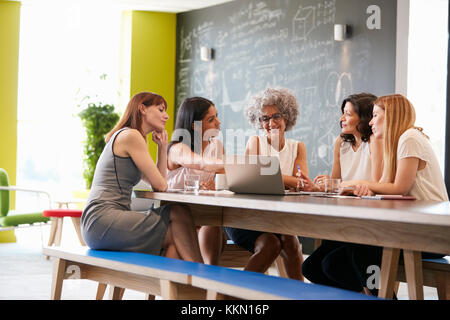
(107,222)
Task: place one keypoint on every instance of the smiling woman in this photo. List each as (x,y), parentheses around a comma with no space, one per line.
(275,111)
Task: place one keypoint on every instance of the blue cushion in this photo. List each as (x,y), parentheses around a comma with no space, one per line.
(287,288)
(440,260)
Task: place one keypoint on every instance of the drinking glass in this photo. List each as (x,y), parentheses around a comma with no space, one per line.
(332,186)
(191,183)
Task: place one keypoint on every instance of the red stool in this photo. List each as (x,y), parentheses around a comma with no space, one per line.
(57,216)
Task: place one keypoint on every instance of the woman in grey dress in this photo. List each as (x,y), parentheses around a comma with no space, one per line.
(107,221)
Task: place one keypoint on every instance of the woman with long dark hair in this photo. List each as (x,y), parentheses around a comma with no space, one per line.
(410,167)
(195,149)
(357,155)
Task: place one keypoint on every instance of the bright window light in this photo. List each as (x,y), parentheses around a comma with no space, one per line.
(65,48)
(427,68)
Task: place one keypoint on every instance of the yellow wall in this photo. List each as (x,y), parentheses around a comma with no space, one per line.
(9,68)
(153,44)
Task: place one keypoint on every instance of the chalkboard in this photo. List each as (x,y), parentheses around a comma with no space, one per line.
(287,43)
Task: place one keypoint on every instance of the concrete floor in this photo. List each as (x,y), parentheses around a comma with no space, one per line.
(27,275)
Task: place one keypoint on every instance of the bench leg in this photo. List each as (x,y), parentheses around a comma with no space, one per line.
(317,243)
(101,288)
(51,238)
(414,276)
(54,226)
(59,227)
(213,295)
(116,293)
(396,287)
(280,267)
(169,290)
(389,266)
(442,280)
(76,224)
(59,267)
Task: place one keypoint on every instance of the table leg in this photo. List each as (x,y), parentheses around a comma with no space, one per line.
(389,267)
(414,275)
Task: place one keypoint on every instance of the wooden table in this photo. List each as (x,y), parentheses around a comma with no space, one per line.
(413,226)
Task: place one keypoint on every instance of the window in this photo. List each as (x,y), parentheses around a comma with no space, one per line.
(65,48)
(427,68)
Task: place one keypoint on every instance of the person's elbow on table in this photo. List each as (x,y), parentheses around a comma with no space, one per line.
(162,187)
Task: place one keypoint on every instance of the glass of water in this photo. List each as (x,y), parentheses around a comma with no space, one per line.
(332,186)
(191,182)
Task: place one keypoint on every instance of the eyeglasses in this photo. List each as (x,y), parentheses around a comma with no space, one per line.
(276,117)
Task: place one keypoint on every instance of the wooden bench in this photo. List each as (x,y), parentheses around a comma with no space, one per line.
(178,279)
(435,273)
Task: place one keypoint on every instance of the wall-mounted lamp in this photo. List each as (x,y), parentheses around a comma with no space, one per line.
(340,32)
(206,54)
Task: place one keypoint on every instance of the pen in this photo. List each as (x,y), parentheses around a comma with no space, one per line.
(300,172)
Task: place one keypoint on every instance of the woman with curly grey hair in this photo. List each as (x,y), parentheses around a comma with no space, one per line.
(275,111)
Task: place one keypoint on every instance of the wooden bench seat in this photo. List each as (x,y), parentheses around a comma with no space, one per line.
(435,273)
(178,279)
(221,282)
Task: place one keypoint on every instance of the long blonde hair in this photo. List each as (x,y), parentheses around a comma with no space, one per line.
(399,116)
(132,117)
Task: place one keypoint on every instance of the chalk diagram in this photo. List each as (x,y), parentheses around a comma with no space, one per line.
(199,87)
(236,106)
(307,105)
(185,46)
(325,148)
(337,87)
(303,23)
(265,76)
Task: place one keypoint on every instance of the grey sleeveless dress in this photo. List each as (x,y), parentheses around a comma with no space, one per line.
(107,221)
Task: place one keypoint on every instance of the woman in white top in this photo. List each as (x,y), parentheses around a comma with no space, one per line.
(410,168)
(357,155)
(275,111)
(195,150)
(410,165)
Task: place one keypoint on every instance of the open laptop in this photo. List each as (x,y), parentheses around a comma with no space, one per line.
(255,174)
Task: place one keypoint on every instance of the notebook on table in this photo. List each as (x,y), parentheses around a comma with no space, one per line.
(389,197)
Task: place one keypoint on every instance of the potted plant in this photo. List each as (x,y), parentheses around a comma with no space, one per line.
(98,120)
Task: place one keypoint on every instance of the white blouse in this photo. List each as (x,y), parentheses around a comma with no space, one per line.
(355,165)
(287,155)
(429,183)
(175,178)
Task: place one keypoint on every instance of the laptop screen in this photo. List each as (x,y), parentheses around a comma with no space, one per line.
(254,174)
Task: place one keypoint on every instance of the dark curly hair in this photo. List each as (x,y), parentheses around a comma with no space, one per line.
(363,106)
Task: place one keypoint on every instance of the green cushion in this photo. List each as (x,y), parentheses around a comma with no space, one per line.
(13,220)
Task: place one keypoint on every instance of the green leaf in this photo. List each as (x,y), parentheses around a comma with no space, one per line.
(98,120)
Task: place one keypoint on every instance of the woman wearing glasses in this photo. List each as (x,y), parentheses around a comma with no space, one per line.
(275,112)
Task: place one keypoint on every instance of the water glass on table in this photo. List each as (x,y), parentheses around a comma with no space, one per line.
(191,182)
(332,186)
